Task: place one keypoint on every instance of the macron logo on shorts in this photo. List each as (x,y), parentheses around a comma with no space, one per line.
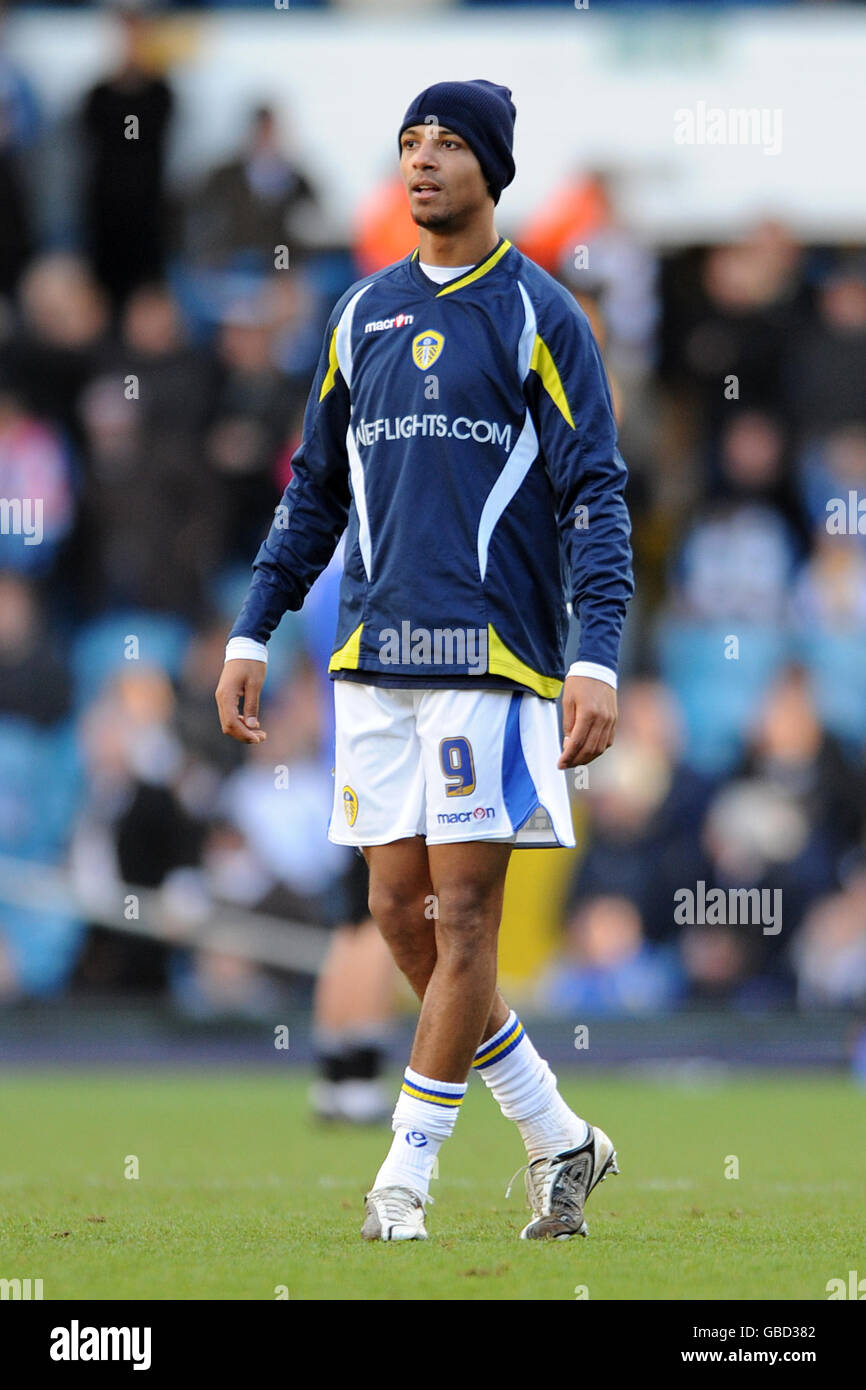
(459,817)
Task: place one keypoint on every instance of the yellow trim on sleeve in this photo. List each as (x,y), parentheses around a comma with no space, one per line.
(491,261)
(333,367)
(501,661)
(542,362)
(346,658)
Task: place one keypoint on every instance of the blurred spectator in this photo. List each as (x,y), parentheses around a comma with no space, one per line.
(831,466)
(134,753)
(830,592)
(280,800)
(572,213)
(728,328)
(829,952)
(34,680)
(154,521)
(645,809)
(602,260)
(828,615)
(297,328)
(758,837)
(607,968)
(135,829)
(790,750)
(737,562)
(58,344)
(826,365)
(252,205)
(724,633)
(177,379)
(751,464)
(782,826)
(19,125)
(125,121)
(717,961)
(255,406)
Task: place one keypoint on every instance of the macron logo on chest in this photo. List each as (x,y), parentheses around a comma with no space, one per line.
(398,321)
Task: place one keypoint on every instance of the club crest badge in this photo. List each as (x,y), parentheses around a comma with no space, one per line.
(350,805)
(426,347)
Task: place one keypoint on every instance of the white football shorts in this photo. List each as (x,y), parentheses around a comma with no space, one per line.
(447,764)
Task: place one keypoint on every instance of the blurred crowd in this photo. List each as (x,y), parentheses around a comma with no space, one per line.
(154,366)
(407,5)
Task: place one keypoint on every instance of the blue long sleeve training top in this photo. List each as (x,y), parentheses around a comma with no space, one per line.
(462,436)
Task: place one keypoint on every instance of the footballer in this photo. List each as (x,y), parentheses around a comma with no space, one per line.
(460,432)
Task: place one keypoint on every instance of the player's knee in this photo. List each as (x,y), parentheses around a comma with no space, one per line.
(396,907)
(468,919)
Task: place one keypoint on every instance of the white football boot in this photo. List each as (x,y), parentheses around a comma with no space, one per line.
(557,1187)
(394,1213)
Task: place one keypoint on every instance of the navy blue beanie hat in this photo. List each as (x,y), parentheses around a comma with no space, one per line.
(482,113)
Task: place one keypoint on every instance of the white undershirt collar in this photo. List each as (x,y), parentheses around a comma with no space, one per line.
(441,274)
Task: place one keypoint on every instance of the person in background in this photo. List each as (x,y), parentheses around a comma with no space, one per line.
(20,122)
(254,408)
(356,989)
(125,209)
(829,950)
(607,968)
(59,340)
(252,204)
(824,368)
(645,807)
(34,677)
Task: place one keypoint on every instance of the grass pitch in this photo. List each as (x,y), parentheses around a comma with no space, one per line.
(239,1193)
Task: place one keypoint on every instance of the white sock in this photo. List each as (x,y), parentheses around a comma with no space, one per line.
(525,1088)
(424,1116)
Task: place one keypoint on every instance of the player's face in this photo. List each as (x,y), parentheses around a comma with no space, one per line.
(443,178)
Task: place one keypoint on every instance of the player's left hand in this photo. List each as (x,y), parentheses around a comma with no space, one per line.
(588,720)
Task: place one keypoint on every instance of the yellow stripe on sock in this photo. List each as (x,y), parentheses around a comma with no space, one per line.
(500,1046)
(425,1095)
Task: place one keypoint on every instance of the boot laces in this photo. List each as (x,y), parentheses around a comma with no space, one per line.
(522,1169)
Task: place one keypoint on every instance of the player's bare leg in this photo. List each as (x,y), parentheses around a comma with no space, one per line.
(558,1142)
(468,883)
(405,906)
(352,1011)
(456,950)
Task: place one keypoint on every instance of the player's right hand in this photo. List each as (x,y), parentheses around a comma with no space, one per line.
(241,680)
